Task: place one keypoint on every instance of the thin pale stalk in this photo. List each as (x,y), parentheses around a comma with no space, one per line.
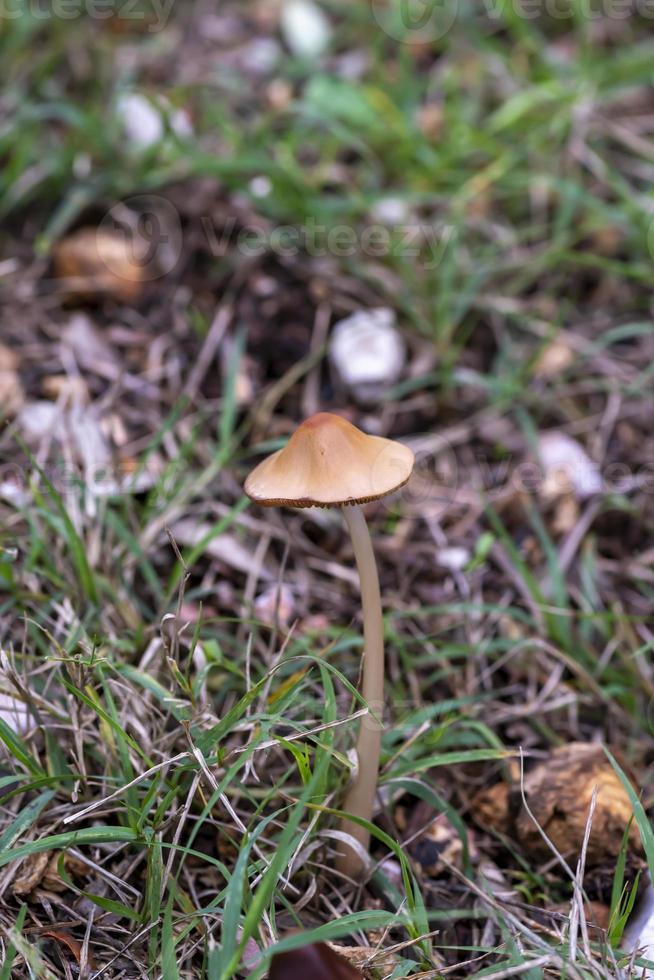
(360,797)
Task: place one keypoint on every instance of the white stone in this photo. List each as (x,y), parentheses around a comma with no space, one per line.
(454,559)
(567,466)
(367,353)
(390,211)
(260,186)
(305,28)
(144,119)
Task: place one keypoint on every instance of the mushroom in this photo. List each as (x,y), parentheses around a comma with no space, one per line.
(328,462)
(317,961)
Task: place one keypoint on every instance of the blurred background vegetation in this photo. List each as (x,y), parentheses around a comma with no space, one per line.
(483,173)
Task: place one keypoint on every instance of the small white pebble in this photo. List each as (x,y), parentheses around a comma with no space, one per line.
(141,121)
(260,186)
(367,353)
(454,559)
(144,119)
(390,211)
(305,28)
(567,466)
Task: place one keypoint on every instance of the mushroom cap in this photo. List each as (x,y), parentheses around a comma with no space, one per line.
(317,961)
(328,462)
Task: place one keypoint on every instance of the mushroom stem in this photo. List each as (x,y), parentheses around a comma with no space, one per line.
(361,794)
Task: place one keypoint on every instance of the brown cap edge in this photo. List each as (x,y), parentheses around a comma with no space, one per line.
(304,502)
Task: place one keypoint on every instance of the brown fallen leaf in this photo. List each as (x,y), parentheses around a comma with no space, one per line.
(30,873)
(43,870)
(99,261)
(372,963)
(52,880)
(65,938)
(315,962)
(73,945)
(495,881)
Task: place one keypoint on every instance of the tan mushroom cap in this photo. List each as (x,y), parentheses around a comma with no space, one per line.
(328,462)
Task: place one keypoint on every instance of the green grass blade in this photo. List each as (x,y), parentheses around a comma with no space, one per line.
(7,966)
(25,819)
(72,838)
(19,750)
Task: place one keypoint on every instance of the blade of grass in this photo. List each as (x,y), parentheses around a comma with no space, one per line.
(25,819)
(75,838)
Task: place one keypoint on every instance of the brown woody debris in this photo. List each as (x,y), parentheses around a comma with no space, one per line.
(66,387)
(12,395)
(559,792)
(554,359)
(96,262)
(491,807)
